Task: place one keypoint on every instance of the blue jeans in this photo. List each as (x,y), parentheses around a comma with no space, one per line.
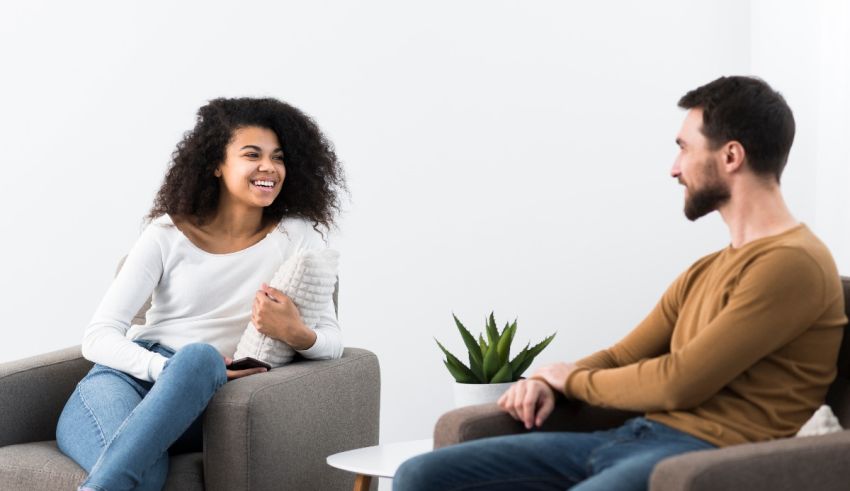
(620,459)
(120,429)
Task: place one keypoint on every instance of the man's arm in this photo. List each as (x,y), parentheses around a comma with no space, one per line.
(777,299)
(649,339)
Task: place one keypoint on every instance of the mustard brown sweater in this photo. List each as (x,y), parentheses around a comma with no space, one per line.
(742,347)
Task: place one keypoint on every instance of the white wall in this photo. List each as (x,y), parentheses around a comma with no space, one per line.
(803,50)
(507,156)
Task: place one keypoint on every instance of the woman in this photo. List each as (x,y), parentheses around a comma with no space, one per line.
(252,183)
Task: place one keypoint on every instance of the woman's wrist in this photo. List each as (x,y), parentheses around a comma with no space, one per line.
(299,337)
(305,340)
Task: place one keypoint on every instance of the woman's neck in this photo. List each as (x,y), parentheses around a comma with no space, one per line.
(235,223)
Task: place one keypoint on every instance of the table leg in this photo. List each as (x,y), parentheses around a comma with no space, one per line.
(362,482)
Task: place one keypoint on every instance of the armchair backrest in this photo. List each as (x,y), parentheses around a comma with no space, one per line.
(839,393)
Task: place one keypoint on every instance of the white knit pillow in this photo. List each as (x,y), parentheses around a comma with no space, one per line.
(308,278)
(821,423)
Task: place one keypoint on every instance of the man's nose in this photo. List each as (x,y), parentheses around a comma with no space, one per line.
(676,170)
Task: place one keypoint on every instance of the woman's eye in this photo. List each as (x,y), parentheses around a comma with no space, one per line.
(278,157)
(251,155)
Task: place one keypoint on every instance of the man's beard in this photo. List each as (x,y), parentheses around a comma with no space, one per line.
(709,197)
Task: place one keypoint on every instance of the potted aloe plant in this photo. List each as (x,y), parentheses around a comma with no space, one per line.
(490,371)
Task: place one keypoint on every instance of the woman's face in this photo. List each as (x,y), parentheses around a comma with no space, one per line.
(252,172)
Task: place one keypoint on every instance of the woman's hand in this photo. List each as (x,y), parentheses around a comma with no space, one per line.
(529,401)
(274,314)
(232,374)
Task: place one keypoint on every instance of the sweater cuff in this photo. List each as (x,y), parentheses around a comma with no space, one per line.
(318,349)
(575,380)
(155,366)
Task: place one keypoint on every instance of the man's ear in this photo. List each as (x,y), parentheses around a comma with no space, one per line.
(733,156)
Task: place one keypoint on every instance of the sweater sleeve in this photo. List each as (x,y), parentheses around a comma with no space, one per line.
(328,345)
(105,340)
(649,339)
(776,299)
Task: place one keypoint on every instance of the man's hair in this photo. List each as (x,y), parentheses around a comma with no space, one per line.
(746,110)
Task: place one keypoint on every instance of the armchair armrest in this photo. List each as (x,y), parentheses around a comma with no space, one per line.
(33,392)
(274,430)
(815,462)
(473,422)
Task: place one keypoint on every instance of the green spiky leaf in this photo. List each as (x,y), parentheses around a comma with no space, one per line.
(491,362)
(492,332)
(530,355)
(461,376)
(459,371)
(504,346)
(476,356)
(503,375)
(518,362)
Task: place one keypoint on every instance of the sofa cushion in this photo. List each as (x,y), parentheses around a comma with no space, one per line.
(42,466)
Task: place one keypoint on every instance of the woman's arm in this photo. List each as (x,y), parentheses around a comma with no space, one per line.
(274,314)
(105,340)
(328,344)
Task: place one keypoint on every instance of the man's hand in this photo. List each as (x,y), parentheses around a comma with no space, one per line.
(275,315)
(232,374)
(529,401)
(556,375)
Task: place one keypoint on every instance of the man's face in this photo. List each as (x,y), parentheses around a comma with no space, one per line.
(698,169)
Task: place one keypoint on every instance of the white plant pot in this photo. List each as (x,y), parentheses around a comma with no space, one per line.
(471,394)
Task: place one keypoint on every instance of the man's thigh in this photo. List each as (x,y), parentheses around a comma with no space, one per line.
(531,461)
(627,464)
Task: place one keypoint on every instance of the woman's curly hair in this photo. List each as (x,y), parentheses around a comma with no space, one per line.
(314,177)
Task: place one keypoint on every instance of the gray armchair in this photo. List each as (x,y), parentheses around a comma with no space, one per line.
(817,462)
(267,431)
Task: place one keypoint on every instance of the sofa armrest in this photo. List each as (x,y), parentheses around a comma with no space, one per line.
(473,422)
(274,430)
(33,392)
(815,462)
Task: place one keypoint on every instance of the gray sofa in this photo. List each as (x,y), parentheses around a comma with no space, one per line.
(819,462)
(270,431)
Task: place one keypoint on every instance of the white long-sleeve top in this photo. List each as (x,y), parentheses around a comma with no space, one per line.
(197,297)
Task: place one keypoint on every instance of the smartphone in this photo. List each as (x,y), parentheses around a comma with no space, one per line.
(248,362)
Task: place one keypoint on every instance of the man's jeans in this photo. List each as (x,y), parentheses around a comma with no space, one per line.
(617,459)
(119,428)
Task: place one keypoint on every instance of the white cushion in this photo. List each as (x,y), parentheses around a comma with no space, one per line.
(821,423)
(308,278)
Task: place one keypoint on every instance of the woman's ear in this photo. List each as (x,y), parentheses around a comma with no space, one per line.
(217,173)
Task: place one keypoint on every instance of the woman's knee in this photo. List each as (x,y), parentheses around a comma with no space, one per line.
(203,359)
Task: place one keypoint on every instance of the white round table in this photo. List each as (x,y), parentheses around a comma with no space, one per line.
(380,460)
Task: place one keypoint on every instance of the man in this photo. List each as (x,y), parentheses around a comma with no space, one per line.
(742,347)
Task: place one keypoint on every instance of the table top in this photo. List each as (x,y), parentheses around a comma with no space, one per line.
(380,460)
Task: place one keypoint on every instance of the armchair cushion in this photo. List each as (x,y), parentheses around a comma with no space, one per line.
(40,465)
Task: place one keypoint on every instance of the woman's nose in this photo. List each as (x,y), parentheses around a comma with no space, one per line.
(266,164)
